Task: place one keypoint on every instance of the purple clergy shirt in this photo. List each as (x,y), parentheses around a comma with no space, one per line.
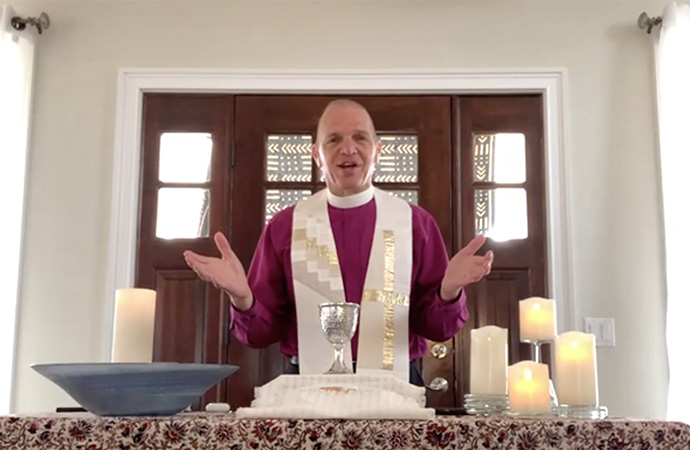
(273,317)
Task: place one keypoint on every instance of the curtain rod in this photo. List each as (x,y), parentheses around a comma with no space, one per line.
(41,23)
(646,22)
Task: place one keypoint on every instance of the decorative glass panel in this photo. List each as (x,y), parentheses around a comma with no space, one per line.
(409,196)
(182,213)
(499,158)
(398,162)
(185,157)
(279,199)
(288,157)
(501,214)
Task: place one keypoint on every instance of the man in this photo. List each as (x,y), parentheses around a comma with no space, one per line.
(351,243)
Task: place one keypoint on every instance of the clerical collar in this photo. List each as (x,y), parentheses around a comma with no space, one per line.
(351,201)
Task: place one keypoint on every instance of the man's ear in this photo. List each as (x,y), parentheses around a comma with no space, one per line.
(377,151)
(316,155)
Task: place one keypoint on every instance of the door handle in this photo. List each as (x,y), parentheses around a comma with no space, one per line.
(439,351)
(438,384)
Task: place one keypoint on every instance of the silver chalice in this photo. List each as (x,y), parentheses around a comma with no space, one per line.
(339,322)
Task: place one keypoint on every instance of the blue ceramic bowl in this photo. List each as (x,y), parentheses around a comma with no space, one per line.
(135,389)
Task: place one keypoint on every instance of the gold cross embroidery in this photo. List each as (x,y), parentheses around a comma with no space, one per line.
(389,298)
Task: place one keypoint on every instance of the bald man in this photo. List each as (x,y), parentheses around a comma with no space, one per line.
(348,243)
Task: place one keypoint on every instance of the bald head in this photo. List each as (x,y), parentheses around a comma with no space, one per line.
(337,106)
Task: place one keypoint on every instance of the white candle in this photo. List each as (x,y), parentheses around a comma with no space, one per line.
(135,311)
(489,361)
(576,369)
(537,319)
(528,388)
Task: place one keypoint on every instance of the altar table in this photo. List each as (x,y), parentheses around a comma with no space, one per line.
(202,431)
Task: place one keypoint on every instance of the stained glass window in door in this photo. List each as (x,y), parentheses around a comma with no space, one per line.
(501,213)
(185,157)
(399,159)
(499,158)
(409,195)
(288,157)
(279,199)
(182,213)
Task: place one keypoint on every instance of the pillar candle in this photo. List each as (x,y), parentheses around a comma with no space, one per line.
(576,369)
(537,319)
(135,311)
(489,361)
(528,388)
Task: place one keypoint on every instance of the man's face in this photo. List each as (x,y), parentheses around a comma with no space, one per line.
(346,149)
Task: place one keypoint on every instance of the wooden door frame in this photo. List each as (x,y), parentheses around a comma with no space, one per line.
(134,82)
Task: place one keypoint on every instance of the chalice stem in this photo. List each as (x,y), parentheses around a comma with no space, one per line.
(339,362)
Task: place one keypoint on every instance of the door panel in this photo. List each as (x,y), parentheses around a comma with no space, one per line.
(180,318)
(191,316)
(519,267)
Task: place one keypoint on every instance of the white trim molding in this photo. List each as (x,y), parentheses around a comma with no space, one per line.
(134,82)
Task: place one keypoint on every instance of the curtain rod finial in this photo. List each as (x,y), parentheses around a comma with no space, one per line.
(644,21)
(41,23)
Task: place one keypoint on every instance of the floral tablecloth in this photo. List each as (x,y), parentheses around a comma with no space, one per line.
(201,431)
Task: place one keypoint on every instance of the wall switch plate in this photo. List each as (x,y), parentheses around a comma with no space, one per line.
(603,329)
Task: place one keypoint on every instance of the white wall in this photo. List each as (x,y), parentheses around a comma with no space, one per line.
(616,225)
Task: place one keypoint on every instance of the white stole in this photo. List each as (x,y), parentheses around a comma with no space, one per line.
(384,314)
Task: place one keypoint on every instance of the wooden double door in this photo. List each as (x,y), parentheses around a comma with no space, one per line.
(228,162)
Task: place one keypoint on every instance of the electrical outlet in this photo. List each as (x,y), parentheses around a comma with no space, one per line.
(604,330)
